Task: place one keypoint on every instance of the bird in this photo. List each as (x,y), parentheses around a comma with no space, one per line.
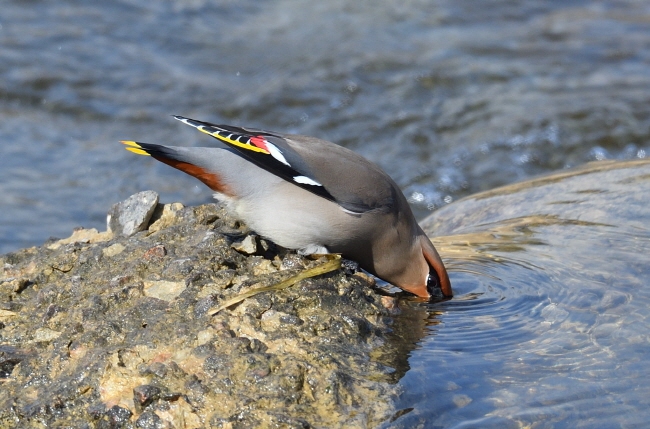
(314,196)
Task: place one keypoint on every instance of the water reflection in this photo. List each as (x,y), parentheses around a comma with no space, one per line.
(549,326)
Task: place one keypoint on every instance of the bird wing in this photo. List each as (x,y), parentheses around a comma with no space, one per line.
(267,150)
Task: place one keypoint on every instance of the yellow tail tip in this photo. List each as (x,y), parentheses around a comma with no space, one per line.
(134,147)
(138,151)
(130,143)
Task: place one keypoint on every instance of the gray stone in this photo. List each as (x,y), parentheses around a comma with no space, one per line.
(133,214)
(247,246)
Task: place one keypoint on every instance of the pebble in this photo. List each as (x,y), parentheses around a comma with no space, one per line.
(163,289)
(247,246)
(133,214)
(113,249)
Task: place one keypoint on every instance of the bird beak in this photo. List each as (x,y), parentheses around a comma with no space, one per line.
(434,261)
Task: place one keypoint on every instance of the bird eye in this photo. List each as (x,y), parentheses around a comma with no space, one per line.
(433,280)
(433,284)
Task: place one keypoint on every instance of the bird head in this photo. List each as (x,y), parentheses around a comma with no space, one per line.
(424,274)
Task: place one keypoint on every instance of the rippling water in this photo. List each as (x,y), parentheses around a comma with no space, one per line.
(549,325)
(448,97)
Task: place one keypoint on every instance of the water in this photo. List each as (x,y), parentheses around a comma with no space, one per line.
(549,325)
(449,97)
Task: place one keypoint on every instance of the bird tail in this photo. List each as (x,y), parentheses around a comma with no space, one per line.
(180,161)
(155,150)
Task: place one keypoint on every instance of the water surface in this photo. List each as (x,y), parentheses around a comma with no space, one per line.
(549,326)
(448,97)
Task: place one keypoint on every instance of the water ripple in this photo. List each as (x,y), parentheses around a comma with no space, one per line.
(549,324)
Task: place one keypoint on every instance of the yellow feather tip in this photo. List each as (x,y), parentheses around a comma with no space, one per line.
(134,147)
(138,151)
(130,143)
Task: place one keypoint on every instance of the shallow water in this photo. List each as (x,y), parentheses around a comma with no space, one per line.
(549,325)
(448,97)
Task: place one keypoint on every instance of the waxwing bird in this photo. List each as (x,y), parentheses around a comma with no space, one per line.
(314,196)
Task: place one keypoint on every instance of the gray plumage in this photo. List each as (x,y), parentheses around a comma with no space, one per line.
(346,204)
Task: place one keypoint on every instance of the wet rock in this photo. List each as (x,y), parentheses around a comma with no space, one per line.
(349,267)
(145,395)
(118,332)
(9,358)
(133,214)
(149,420)
(391,304)
(116,417)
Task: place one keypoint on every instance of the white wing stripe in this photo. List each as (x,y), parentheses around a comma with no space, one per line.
(306,181)
(275,153)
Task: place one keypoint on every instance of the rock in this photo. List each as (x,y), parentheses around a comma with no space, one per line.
(390,303)
(163,289)
(247,246)
(149,420)
(133,214)
(118,416)
(11,288)
(118,333)
(155,252)
(82,235)
(6,314)
(46,335)
(10,357)
(145,395)
(113,249)
(461,400)
(165,216)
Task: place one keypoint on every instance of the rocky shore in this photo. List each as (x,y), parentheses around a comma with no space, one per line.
(113,329)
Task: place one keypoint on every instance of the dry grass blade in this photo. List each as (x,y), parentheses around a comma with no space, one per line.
(326,267)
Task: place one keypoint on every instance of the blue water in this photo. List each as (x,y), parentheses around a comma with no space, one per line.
(549,325)
(449,97)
